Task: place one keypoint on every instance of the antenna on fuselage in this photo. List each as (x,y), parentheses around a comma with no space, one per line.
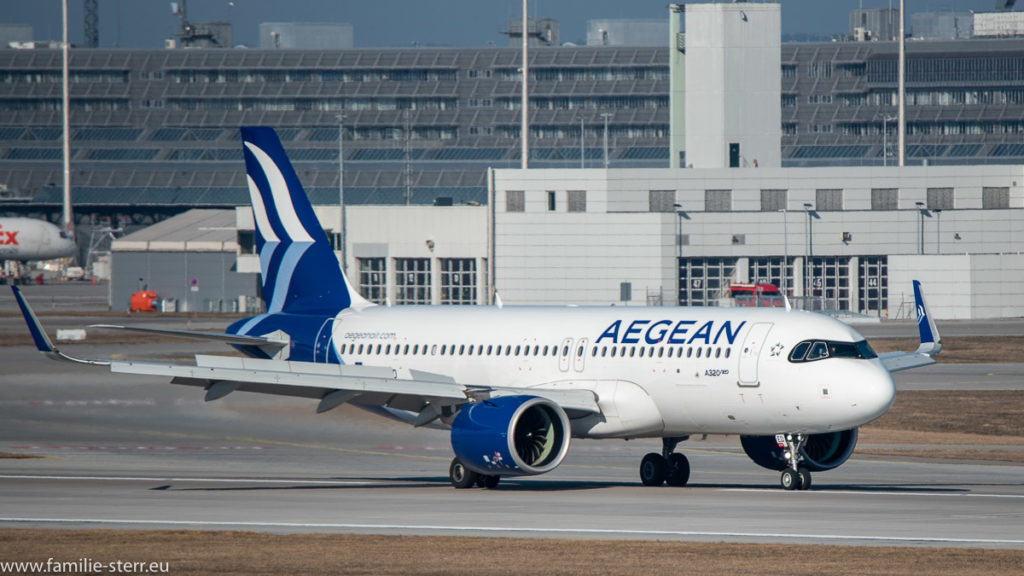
(786,300)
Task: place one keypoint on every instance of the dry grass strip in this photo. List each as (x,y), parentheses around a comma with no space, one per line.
(194,552)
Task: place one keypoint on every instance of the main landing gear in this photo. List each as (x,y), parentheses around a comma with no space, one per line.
(669,467)
(795,477)
(463,477)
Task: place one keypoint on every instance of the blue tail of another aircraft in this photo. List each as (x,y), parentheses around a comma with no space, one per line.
(301,275)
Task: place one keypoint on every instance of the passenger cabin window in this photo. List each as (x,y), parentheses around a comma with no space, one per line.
(812,350)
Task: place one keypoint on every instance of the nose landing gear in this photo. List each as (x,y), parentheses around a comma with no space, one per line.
(795,477)
(669,467)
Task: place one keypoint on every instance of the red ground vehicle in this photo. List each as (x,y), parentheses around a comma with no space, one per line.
(142,301)
(757,295)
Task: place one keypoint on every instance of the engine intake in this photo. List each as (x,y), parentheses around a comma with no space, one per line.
(822,451)
(511,436)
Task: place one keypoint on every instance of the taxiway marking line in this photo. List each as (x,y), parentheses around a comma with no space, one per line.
(518,530)
(166,479)
(873,493)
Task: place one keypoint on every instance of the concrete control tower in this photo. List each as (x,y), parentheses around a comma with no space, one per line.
(732,89)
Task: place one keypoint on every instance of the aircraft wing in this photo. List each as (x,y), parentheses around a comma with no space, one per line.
(931,342)
(429,395)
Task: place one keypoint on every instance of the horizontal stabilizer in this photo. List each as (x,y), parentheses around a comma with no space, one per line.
(215,336)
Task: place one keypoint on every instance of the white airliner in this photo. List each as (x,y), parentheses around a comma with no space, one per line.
(27,239)
(515,384)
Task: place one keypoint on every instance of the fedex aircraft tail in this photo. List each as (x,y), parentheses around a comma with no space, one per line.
(301,275)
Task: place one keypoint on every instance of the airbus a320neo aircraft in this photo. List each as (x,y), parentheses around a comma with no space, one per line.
(515,384)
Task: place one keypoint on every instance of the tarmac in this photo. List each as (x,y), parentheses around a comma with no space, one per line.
(131,452)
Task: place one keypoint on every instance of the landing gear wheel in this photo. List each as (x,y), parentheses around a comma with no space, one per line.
(487,480)
(805,478)
(678,470)
(461,476)
(790,479)
(653,469)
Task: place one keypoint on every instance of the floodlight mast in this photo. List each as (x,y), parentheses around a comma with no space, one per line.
(68,220)
(525,128)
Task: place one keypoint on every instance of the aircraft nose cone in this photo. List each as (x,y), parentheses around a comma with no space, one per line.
(876,392)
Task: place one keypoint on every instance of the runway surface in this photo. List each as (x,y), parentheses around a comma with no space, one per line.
(125,452)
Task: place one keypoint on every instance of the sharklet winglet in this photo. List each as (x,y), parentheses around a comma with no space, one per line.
(39,336)
(931,341)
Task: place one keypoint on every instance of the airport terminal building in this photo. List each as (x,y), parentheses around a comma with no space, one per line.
(420,130)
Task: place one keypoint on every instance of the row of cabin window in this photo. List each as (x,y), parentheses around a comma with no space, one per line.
(661,352)
(537,350)
(446,350)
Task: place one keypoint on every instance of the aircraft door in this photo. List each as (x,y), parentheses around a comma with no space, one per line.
(579,354)
(565,351)
(322,347)
(751,352)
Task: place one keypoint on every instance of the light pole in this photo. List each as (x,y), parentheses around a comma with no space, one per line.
(680,214)
(811,215)
(785,252)
(582,165)
(938,226)
(341,191)
(922,211)
(606,116)
(885,138)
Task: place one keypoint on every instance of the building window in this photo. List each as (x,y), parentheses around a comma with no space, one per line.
(551,201)
(717,200)
(702,281)
(885,199)
(769,270)
(773,200)
(515,201)
(828,283)
(458,281)
(661,200)
(412,281)
(828,200)
(940,198)
(874,284)
(373,280)
(577,200)
(995,197)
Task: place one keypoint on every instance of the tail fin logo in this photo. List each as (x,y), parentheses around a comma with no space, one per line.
(282,200)
(278,258)
(301,273)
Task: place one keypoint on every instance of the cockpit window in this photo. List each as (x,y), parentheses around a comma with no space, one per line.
(799,351)
(818,351)
(811,350)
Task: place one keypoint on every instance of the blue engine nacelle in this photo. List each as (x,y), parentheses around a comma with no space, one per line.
(511,436)
(821,452)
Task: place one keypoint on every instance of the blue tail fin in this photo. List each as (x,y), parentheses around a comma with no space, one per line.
(301,275)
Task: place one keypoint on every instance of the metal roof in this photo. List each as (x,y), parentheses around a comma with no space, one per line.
(195,231)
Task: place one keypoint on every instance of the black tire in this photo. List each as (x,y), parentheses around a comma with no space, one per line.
(789,479)
(461,476)
(678,470)
(805,478)
(488,481)
(653,470)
